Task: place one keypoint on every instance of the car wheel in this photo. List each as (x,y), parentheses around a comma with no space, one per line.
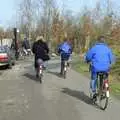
(13,63)
(10,66)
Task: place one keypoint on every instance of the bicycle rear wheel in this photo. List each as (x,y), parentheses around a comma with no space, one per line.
(64,74)
(40,78)
(103,101)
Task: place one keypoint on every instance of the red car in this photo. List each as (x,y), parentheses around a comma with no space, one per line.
(7,57)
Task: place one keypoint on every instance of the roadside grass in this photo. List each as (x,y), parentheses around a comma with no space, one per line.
(83,68)
(115,83)
(115,89)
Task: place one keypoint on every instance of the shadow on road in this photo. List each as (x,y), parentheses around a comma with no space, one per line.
(55,73)
(53,65)
(27,67)
(31,77)
(78,94)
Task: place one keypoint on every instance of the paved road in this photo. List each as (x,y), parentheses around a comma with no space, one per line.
(23,98)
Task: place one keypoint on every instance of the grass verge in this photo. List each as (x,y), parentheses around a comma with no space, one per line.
(115,89)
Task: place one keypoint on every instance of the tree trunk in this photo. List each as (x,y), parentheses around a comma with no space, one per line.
(75,45)
(1,42)
(87,42)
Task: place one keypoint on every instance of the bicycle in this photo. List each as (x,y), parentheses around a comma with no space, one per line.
(102,92)
(22,54)
(40,70)
(28,52)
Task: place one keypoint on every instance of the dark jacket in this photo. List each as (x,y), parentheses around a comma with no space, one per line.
(41,50)
(26,44)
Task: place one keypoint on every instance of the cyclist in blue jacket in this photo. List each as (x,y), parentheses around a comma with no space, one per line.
(101,58)
(65,50)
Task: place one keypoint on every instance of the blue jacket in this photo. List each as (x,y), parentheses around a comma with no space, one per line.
(101,57)
(65,47)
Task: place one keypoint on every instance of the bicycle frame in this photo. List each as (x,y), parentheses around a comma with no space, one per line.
(106,87)
(102,83)
(40,69)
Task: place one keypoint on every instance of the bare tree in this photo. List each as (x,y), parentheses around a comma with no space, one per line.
(26,16)
(1,34)
(45,13)
(44,17)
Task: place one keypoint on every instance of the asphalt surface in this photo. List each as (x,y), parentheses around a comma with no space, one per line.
(22,97)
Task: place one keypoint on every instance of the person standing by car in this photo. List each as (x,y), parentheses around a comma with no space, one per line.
(16,48)
(26,46)
(40,50)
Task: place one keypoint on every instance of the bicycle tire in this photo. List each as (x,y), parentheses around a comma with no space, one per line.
(103,97)
(40,78)
(64,75)
(103,107)
(64,71)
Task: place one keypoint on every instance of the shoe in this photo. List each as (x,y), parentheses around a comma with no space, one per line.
(94,97)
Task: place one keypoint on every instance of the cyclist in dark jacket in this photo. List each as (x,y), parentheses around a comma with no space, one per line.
(41,50)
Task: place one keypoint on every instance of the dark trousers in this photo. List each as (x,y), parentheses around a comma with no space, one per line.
(64,57)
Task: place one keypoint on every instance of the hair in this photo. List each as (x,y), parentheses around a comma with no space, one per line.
(101,39)
(40,38)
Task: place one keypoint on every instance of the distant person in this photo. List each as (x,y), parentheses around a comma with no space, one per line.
(15,46)
(26,46)
(65,50)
